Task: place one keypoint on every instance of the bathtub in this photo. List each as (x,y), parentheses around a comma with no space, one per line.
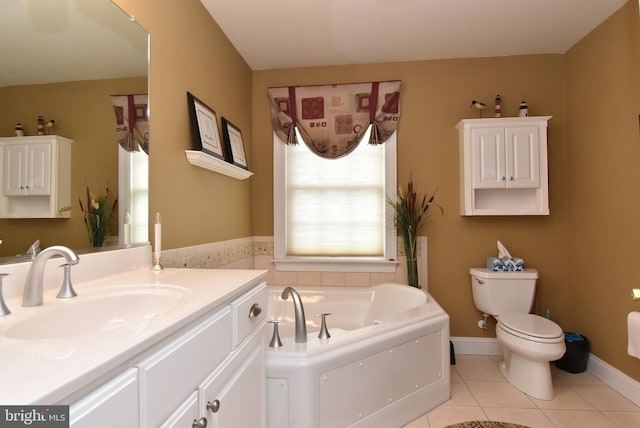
(385,364)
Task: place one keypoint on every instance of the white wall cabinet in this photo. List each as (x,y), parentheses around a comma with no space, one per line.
(36,176)
(503,166)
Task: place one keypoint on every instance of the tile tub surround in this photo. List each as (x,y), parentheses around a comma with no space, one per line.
(257,253)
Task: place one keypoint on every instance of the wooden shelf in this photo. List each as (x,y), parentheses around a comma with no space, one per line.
(206,161)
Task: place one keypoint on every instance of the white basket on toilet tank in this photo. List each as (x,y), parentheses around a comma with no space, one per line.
(529,342)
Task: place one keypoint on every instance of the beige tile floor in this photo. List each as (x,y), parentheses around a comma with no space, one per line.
(480,392)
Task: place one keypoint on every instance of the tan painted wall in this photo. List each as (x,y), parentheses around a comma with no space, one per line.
(189,52)
(602,181)
(436,95)
(83,113)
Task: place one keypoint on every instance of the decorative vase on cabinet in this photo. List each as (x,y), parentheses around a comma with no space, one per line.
(503,166)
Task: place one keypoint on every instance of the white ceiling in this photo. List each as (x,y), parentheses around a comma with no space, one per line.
(45,41)
(297,33)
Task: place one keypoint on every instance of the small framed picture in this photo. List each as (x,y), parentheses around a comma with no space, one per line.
(205,127)
(234,144)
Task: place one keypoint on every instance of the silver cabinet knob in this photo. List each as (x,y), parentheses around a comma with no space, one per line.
(502,178)
(199,423)
(213,406)
(510,178)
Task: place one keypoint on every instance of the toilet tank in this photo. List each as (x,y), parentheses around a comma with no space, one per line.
(496,293)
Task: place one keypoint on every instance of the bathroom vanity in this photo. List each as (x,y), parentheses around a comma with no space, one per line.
(179,347)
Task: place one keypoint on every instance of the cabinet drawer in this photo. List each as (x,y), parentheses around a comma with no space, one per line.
(113,404)
(171,374)
(249,311)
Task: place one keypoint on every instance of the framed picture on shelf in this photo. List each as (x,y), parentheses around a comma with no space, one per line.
(205,127)
(234,145)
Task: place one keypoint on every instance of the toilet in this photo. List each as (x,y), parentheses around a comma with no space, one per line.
(529,342)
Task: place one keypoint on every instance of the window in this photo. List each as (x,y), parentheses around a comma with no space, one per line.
(331,214)
(133,193)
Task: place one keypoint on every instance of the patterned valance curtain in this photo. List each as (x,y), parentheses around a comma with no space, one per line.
(332,119)
(132,123)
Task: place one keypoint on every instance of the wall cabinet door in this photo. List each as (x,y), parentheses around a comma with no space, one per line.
(27,169)
(505,157)
(522,148)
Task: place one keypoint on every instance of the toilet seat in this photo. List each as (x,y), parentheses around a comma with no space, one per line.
(531,327)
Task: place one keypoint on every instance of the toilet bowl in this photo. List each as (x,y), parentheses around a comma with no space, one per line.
(529,342)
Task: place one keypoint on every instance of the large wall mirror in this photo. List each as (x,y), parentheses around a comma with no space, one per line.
(63,60)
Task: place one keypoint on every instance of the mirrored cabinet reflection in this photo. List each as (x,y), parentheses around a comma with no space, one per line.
(36,177)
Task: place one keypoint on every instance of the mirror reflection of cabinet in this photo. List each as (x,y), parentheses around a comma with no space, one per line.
(36,177)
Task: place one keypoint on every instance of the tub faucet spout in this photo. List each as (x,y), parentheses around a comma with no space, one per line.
(33,289)
(301,327)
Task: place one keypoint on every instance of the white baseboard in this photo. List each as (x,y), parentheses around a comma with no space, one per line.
(476,346)
(625,385)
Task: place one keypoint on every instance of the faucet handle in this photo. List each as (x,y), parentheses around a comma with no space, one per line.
(275,339)
(4,310)
(324,332)
(66,290)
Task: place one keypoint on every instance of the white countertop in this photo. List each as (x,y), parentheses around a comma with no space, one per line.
(45,371)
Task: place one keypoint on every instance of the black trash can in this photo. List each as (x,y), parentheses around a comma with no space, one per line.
(577,356)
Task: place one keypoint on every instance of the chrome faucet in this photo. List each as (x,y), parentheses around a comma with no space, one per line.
(301,327)
(33,287)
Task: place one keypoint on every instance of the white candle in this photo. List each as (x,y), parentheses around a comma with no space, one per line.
(158,237)
(127,229)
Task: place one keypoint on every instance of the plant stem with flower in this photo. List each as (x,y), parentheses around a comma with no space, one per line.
(410,214)
(98,215)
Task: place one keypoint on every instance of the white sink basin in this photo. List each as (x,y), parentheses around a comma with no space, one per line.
(108,310)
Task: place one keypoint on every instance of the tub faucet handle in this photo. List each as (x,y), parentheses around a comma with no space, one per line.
(4,310)
(324,332)
(275,339)
(66,290)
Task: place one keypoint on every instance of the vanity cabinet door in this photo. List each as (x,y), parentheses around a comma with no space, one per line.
(172,373)
(235,395)
(185,415)
(114,404)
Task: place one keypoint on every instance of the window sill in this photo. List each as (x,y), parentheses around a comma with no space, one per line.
(334,264)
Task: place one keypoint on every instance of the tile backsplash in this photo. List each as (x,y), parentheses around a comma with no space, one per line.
(257,253)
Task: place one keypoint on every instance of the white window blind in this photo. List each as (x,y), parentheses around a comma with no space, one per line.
(334,207)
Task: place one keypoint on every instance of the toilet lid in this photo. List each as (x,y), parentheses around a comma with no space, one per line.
(531,325)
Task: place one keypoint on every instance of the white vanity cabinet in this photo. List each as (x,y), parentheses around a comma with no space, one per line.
(36,176)
(503,166)
(113,404)
(222,359)
(218,359)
